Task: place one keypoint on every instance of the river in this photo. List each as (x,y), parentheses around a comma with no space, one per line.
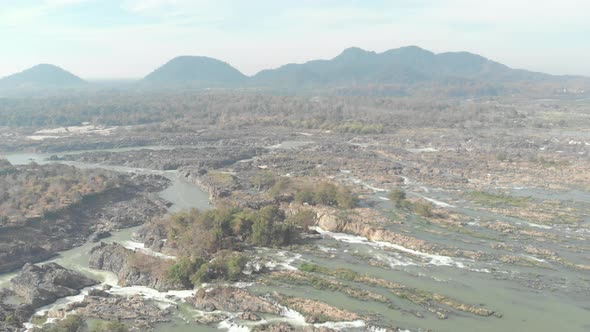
(548,297)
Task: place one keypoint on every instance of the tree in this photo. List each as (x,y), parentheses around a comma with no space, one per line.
(326,194)
(184,269)
(242,224)
(346,199)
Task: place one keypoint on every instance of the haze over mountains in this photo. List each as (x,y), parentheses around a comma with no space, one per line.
(354,67)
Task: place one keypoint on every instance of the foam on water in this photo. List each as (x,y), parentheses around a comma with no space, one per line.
(535,259)
(368,186)
(294,317)
(437,203)
(169,297)
(438,260)
(538,226)
(342,325)
(284,263)
(232,327)
(394,261)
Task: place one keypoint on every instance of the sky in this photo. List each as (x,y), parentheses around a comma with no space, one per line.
(101,39)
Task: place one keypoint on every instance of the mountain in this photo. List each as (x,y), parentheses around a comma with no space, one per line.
(43,76)
(406,65)
(196,71)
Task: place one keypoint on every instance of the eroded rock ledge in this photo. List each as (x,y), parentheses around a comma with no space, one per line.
(133,268)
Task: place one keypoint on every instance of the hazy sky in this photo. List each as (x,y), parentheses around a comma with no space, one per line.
(130,38)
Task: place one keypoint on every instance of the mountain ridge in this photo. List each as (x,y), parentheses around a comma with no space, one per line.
(396,71)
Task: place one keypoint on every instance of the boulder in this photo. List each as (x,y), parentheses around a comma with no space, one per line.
(40,285)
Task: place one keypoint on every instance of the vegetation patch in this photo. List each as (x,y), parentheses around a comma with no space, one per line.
(497,200)
(210,242)
(399,199)
(302,278)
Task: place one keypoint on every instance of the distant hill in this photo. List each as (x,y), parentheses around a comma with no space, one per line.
(406,65)
(43,76)
(195,71)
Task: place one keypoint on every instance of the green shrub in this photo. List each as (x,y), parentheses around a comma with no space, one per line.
(491,199)
(346,199)
(263,229)
(305,195)
(308,267)
(397,197)
(423,209)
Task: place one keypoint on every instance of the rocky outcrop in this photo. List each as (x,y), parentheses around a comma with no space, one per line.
(226,154)
(90,219)
(135,309)
(41,285)
(134,212)
(315,311)
(13,256)
(369,223)
(233,300)
(198,178)
(153,235)
(365,222)
(132,267)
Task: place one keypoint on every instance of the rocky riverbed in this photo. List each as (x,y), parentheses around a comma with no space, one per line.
(491,233)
